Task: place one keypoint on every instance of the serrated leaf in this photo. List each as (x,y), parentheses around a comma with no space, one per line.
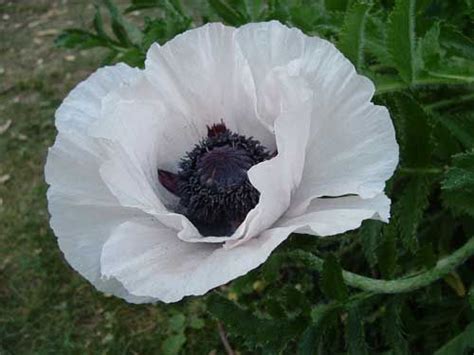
(458,184)
(254,8)
(332,283)
(393,328)
(271,334)
(456,42)
(79,39)
(387,253)
(99,23)
(376,40)
(370,238)
(429,48)
(401,40)
(278,10)
(409,210)
(352,36)
(133,57)
(126,33)
(228,13)
(459,344)
(355,334)
(416,133)
(323,316)
(455,74)
(461,127)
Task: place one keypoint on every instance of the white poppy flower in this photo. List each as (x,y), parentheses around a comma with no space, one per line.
(172,180)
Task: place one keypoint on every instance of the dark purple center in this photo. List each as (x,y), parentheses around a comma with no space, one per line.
(212,183)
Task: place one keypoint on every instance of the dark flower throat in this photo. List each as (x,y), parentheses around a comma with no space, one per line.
(212,183)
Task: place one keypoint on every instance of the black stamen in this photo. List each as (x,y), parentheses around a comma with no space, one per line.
(212,183)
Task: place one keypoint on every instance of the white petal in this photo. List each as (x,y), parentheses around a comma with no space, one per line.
(277,178)
(151,262)
(330,216)
(83,104)
(352,147)
(82,231)
(355,153)
(83,210)
(203,74)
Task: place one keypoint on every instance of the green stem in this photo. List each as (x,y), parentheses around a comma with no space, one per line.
(421,171)
(404,284)
(449,102)
(394,86)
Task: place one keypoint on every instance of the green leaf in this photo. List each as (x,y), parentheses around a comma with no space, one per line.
(401,39)
(79,39)
(228,13)
(173,344)
(323,317)
(429,48)
(352,37)
(177,323)
(126,33)
(458,184)
(142,4)
(387,253)
(99,23)
(159,30)
(454,74)
(456,42)
(370,238)
(461,127)
(254,9)
(409,210)
(393,328)
(336,5)
(332,283)
(416,133)
(376,40)
(133,57)
(459,344)
(271,334)
(355,334)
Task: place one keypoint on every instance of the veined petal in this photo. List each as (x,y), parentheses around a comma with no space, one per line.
(150,261)
(276,179)
(351,147)
(82,208)
(330,216)
(203,73)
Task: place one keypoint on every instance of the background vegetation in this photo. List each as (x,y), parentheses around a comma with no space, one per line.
(421,56)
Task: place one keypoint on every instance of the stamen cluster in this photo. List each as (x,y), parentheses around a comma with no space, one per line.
(212,183)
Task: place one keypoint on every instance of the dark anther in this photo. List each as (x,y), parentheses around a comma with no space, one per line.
(216,129)
(212,183)
(168,180)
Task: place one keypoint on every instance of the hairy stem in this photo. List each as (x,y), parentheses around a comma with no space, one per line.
(401,285)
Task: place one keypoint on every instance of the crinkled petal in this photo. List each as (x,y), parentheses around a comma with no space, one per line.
(83,210)
(277,178)
(203,73)
(351,147)
(150,261)
(83,104)
(330,216)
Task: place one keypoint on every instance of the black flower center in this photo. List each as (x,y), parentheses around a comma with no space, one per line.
(212,183)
